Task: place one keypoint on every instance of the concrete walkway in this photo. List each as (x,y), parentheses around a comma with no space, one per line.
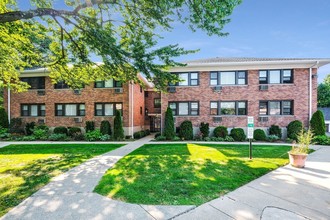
(286,193)
(70,195)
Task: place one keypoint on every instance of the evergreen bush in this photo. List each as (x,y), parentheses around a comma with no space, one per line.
(40,134)
(74,131)
(317,123)
(259,135)
(16,126)
(186,130)
(105,127)
(275,130)
(238,134)
(204,129)
(4,118)
(294,129)
(220,131)
(57,137)
(90,126)
(60,130)
(41,127)
(29,128)
(322,140)
(169,124)
(118,131)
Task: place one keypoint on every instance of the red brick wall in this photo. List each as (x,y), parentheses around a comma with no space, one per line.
(89,96)
(149,104)
(298,91)
(138,103)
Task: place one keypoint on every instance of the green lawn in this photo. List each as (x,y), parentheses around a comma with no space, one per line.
(187,174)
(26,168)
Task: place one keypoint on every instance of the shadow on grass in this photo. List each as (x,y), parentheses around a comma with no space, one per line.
(91,149)
(173,175)
(34,176)
(19,181)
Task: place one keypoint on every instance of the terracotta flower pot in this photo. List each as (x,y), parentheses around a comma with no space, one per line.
(297,160)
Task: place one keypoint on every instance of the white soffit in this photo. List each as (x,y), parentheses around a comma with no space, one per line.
(251,65)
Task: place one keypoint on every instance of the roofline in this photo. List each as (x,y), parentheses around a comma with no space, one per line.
(252,65)
(43,71)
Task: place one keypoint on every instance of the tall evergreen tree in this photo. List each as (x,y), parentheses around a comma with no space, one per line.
(3,118)
(317,123)
(169,124)
(118,131)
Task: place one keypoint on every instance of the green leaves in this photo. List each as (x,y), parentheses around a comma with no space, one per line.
(122,34)
(323,95)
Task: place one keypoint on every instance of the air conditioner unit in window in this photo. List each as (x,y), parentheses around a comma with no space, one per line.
(217,119)
(77,92)
(41,121)
(118,90)
(77,120)
(41,92)
(171,89)
(263,119)
(217,88)
(263,87)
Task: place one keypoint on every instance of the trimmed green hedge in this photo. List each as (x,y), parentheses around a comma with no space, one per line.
(186,130)
(317,123)
(294,128)
(259,135)
(275,130)
(238,134)
(220,131)
(60,130)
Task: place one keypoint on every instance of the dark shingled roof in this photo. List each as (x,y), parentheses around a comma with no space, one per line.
(249,59)
(326,113)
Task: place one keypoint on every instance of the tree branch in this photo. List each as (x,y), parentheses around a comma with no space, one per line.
(40,12)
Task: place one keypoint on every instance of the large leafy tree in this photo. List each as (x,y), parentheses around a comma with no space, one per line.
(323,93)
(327,79)
(123,34)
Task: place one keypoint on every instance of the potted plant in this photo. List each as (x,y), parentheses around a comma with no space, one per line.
(299,152)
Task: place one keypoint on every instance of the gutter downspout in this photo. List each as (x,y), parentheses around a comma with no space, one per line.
(161,113)
(311,89)
(132,114)
(8,109)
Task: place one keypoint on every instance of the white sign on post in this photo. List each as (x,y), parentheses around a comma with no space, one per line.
(250,127)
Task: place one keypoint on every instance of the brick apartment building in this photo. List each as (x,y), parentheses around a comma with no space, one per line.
(224,91)
(58,105)
(220,91)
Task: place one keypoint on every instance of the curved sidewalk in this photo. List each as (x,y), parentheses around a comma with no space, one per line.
(285,193)
(70,195)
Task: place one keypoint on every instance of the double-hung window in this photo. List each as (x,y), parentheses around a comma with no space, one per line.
(33,110)
(157,103)
(188,79)
(61,85)
(276,107)
(184,108)
(34,82)
(275,76)
(228,78)
(111,83)
(108,109)
(228,108)
(70,109)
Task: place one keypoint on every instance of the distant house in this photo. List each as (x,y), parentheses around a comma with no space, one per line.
(326,113)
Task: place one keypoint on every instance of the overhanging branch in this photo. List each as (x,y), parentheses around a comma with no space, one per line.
(40,12)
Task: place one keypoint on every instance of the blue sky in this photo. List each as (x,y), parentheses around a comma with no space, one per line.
(261,28)
(265,28)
